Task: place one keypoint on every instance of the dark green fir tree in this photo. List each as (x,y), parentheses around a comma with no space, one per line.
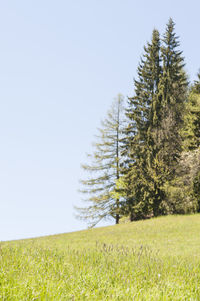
(156,118)
(173,89)
(173,94)
(141,113)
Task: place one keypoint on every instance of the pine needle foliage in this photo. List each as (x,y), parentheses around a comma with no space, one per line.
(104,169)
(155,117)
(143,164)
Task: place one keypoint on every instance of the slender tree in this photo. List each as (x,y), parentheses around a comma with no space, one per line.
(142,112)
(188,173)
(104,169)
(172,92)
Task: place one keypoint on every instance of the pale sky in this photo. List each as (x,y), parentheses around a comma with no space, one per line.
(61,64)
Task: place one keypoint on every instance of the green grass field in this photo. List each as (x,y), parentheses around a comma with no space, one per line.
(157,259)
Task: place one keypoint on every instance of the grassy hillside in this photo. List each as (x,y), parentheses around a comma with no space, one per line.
(156,259)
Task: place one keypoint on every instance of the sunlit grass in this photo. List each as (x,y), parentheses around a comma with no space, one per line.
(157,259)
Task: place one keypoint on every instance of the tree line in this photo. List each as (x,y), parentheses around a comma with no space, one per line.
(146,161)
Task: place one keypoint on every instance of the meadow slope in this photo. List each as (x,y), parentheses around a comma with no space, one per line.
(157,259)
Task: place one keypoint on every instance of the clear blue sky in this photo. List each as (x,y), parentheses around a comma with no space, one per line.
(61,64)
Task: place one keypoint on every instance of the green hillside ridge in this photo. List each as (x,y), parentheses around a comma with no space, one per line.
(156,259)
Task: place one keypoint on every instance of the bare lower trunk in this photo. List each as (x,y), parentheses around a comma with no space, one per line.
(131,217)
(117,219)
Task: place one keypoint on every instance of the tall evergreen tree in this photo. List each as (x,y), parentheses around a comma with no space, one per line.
(154,141)
(190,160)
(172,93)
(142,110)
(104,169)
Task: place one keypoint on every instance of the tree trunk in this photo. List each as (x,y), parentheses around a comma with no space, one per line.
(131,216)
(117,219)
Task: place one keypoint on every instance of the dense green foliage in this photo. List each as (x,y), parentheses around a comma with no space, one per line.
(156,259)
(139,144)
(159,168)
